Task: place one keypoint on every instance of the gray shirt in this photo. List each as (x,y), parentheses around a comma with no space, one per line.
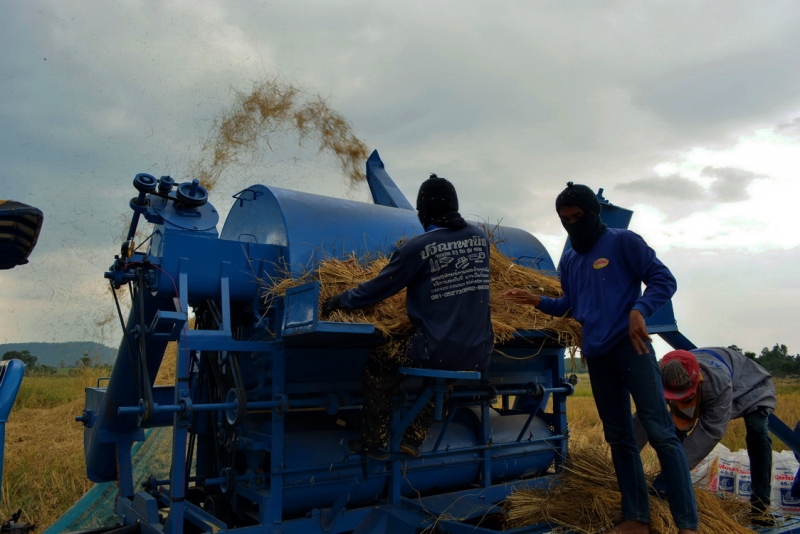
(733,385)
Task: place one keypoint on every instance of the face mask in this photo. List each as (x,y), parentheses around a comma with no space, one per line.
(688,413)
(584,232)
(685,413)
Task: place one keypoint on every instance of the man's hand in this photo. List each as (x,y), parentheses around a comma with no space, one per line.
(331,304)
(520,296)
(638,333)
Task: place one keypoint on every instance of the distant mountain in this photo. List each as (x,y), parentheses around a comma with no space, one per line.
(55,354)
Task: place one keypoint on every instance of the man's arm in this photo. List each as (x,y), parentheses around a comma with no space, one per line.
(557,307)
(520,296)
(659,283)
(395,276)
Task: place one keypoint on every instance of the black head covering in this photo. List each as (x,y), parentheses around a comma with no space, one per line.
(585,232)
(437,203)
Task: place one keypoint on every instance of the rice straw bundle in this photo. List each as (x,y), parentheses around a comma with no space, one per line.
(275,108)
(389,316)
(585,498)
(337,276)
(508,317)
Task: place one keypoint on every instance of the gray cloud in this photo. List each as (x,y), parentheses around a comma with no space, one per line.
(790,127)
(509,100)
(730,184)
(724,90)
(673,187)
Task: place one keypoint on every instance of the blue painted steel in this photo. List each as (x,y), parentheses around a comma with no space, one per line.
(300,317)
(11,374)
(784,433)
(267,395)
(384,191)
(110,427)
(613,216)
(313,228)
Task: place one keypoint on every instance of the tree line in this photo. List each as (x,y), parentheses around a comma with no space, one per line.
(33,366)
(777,360)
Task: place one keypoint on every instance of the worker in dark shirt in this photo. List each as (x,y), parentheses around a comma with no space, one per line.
(445,272)
(601,277)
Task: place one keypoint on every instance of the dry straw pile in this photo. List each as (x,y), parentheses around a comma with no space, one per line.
(389,316)
(585,498)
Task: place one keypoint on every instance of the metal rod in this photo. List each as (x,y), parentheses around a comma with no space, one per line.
(209,407)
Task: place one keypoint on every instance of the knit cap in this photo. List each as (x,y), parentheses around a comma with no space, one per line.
(580,196)
(436,196)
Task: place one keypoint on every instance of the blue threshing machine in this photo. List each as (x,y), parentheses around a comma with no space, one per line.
(266,395)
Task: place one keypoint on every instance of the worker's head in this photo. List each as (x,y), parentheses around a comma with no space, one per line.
(579,211)
(437,203)
(680,374)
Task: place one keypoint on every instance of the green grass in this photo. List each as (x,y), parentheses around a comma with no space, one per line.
(52,391)
(583,388)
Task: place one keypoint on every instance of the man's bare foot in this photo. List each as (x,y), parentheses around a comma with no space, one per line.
(631,527)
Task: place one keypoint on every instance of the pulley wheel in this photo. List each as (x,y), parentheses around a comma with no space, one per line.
(192,194)
(236,415)
(145,183)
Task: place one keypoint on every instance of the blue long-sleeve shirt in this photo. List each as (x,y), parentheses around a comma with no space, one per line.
(446,273)
(602,286)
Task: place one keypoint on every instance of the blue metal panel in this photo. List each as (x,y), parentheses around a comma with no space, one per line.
(613,216)
(205,256)
(301,315)
(203,218)
(784,433)
(384,191)
(523,248)
(11,374)
(314,228)
(101,453)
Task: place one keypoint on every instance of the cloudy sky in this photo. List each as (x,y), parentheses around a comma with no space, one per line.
(686,112)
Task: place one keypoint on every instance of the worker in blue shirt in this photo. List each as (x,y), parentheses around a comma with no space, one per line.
(445,272)
(601,277)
